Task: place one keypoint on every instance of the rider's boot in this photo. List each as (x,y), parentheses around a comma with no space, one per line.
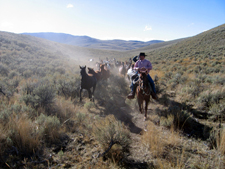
(132,93)
(154,96)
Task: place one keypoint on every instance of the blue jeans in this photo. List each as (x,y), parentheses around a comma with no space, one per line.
(150,81)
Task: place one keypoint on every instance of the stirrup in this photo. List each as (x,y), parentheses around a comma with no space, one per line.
(130,96)
(154,96)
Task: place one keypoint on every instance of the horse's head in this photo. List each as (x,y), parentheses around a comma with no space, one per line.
(83,70)
(102,66)
(90,70)
(143,77)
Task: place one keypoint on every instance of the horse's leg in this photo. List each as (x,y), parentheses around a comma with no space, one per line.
(80,94)
(93,92)
(128,77)
(140,104)
(89,93)
(146,108)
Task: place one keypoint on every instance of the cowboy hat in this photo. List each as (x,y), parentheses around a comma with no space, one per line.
(142,54)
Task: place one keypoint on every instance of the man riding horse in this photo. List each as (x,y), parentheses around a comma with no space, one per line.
(142,63)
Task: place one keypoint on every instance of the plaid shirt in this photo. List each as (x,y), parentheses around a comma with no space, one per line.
(143,63)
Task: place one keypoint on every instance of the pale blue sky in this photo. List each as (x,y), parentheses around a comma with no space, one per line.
(113,19)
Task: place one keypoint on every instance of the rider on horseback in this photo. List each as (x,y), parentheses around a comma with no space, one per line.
(142,63)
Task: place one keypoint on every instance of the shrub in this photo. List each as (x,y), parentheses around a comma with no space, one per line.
(218,110)
(7,110)
(177,79)
(23,135)
(109,131)
(44,95)
(67,87)
(13,74)
(3,70)
(89,105)
(27,74)
(168,75)
(41,96)
(207,98)
(49,128)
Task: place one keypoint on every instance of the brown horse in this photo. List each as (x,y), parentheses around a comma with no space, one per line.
(97,73)
(104,73)
(143,92)
(122,69)
(87,82)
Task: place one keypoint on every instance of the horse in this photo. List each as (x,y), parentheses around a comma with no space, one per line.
(122,69)
(87,82)
(143,91)
(97,73)
(117,63)
(104,73)
(127,65)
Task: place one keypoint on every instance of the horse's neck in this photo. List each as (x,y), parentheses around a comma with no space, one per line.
(84,74)
(94,73)
(145,82)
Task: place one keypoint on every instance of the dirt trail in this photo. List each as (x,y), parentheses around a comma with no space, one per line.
(139,155)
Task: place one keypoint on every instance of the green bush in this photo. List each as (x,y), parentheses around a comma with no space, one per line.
(27,73)
(67,87)
(12,74)
(41,96)
(207,98)
(89,105)
(3,70)
(49,128)
(218,110)
(109,131)
(18,109)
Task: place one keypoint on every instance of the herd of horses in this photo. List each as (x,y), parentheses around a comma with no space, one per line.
(89,80)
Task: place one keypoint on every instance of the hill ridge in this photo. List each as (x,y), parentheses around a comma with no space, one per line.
(86,41)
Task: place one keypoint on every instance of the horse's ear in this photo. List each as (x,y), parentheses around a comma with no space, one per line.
(85,66)
(80,66)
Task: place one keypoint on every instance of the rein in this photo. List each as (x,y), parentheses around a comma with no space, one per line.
(142,88)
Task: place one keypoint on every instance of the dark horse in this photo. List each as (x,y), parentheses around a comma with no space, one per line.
(143,91)
(87,82)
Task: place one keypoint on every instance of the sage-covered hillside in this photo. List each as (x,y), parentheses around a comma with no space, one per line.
(43,123)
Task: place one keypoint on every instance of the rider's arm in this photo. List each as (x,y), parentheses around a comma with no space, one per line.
(149,66)
(135,58)
(136,66)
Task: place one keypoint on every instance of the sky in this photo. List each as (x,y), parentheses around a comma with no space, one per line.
(142,20)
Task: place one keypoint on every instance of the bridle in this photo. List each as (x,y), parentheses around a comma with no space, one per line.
(143,87)
(141,84)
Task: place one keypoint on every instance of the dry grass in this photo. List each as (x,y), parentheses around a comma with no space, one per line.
(220,139)
(22,133)
(178,142)
(166,147)
(159,73)
(113,136)
(153,140)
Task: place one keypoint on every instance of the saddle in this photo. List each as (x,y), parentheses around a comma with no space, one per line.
(137,81)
